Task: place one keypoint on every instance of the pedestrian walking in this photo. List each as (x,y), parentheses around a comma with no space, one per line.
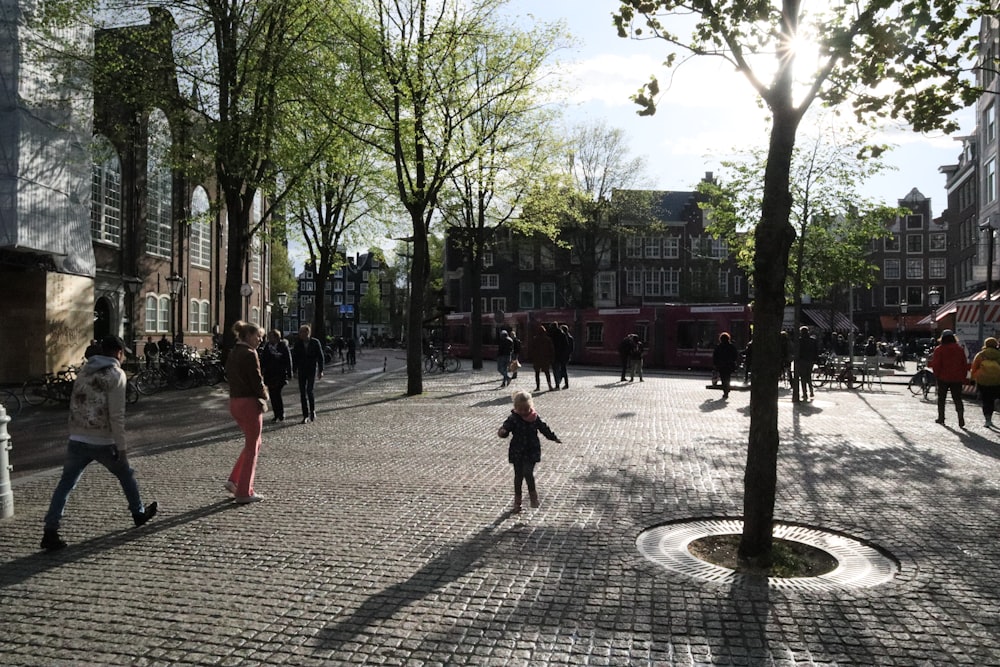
(950,366)
(276,367)
(563,355)
(542,354)
(625,353)
(986,373)
(805,360)
(97,433)
(525,450)
(247,403)
(724,358)
(635,358)
(515,352)
(505,347)
(307,364)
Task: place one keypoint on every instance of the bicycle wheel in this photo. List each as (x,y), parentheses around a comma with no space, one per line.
(11,403)
(918,384)
(430,364)
(148,382)
(452,364)
(821,377)
(35,392)
(131,392)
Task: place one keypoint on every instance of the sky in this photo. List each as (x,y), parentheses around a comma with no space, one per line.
(708,113)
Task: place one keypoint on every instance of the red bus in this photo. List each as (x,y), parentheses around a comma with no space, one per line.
(676,335)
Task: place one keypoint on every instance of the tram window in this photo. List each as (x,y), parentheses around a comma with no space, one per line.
(699,335)
(459,334)
(595,333)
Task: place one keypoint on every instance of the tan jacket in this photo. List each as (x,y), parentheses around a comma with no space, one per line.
(243,374)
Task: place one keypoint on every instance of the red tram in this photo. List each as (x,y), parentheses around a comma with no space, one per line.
(676,335)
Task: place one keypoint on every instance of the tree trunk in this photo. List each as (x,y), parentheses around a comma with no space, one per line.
(419,273)
(774,236)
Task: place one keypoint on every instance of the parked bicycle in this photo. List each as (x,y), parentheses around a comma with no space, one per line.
(922,381)
(56,387)
(438,360)
(10,402)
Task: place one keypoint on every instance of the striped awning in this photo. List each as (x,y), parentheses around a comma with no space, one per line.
(821,319)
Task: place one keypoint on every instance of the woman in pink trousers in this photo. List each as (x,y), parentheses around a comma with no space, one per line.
(247,403)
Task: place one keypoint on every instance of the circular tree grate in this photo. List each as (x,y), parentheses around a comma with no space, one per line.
(859,565)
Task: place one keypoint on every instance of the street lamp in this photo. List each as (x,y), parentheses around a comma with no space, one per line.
(283,305)
(903,307)
(934,299)
(174,282)
(988,228)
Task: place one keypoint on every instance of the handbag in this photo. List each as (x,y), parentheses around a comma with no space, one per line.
(513,366)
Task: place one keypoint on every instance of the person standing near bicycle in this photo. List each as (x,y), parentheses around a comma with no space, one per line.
(805,359)
(986,373)
(97,433)
(307,363)
(950,367)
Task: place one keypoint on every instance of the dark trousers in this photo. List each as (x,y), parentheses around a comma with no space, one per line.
(727,382)
(989,394)
(524,471)
(624,367)
(307,391)
(805,372)
(277,402)
(956,395)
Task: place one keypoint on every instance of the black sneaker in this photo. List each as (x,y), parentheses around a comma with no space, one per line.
(51,541)
(148,514)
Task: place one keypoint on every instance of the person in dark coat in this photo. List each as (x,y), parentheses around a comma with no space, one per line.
(805,360)
(150,351)
(560,345)
(515,351)
(276,366)
(307,363)
(542,353)
(505,347)
(625,352)
(525,450)
(567,354)
(635,358)
(724,358)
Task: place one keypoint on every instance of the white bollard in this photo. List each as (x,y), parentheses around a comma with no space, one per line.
(6,491)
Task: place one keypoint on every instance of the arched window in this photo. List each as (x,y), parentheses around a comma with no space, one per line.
(255,244)
(159,187)
(106,193)
(201,230)
(199,316)
(157,313)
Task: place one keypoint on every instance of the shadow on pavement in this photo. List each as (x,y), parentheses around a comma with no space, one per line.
(26,567)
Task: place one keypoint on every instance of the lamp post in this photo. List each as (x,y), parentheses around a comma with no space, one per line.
(174,282)
(903,307)
(934,299)
(283,305)
(131,285)
(988,228)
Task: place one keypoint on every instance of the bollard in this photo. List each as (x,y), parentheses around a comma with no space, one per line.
(385,362)
(6,492)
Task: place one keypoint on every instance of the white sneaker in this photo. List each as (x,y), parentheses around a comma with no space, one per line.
(246,500)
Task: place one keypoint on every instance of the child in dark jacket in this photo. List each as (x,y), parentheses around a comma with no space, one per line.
(525,450)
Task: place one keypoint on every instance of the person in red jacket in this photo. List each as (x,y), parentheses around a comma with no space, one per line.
(951,366)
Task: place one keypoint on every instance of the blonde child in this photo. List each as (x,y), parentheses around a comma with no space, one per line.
(525,450)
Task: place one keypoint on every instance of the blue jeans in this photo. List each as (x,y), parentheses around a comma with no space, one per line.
(503,364)
(78,456)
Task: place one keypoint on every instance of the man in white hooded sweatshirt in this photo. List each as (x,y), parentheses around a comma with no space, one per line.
(97,433)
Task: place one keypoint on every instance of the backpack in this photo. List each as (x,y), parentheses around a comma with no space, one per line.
(988,372)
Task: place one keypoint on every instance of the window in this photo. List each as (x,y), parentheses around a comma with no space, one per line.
(936,267)
(526,258)
(151,308)
(255,315)
(654,282)
(723,282)
(633,247)
(364,276)
(201,229)
(256,249)
(497,303)
(633,282)
(914,268)
(915,296)
(914,243)
(989,123)
(737,285)
(672,282)
(106,194)
(198,321)
(338,298)
(652,248)
(547,257)
(308,286)
(364,288)
(700,335)
(526,295)
(159,188)
(606,285)
(719,249)
(990,182)
(891,269)
(487,258)
(489,281)
(891,296)
(338,285)
(915,221)
(937,241)
(672,247)
(547,295)
(595,333)
(892,243)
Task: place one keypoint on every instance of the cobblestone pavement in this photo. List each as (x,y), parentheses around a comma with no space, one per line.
(385,537)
